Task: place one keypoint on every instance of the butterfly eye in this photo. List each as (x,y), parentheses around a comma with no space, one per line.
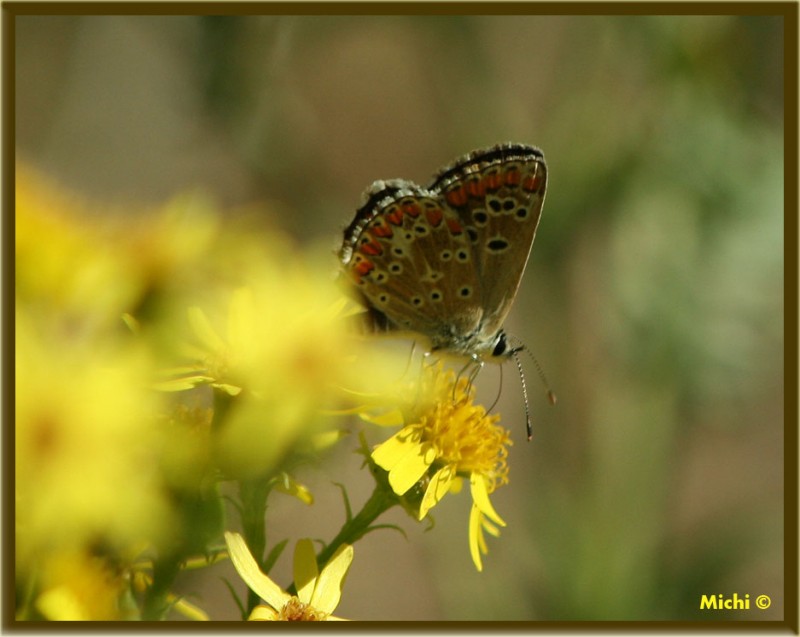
(501,345)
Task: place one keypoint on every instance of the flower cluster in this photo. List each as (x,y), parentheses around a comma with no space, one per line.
(167,358)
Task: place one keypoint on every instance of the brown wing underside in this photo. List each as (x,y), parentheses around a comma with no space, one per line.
(414,263)
(447,261)
(498,198)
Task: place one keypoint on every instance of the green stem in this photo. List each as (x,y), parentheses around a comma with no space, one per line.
(379,502)
(253,496)
(155,605)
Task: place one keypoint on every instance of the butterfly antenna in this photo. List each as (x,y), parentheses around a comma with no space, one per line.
(551,397)
(528,424)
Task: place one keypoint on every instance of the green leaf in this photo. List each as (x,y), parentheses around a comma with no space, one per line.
(274,554)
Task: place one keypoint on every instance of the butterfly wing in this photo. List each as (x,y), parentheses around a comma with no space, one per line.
(409,257)
(446,261)
(498,195)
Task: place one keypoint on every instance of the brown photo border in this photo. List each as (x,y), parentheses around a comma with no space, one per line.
(787,10)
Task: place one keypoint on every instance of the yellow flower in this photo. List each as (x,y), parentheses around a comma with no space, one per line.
(318,593)
(77,586)
(85,434)
(186,452)
(448,438)
(280,352)
(68,261)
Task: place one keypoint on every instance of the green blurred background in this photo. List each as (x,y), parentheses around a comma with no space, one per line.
(653,298)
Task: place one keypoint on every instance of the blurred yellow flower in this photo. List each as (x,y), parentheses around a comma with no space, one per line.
(111,308)
(278,358)
(186,450)
(84,443)
(77,586)
(446,438)
(68,260)
(318,593)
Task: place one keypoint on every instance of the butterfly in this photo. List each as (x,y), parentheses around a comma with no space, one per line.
(445,261)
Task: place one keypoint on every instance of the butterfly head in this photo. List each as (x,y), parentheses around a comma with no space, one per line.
(501,348)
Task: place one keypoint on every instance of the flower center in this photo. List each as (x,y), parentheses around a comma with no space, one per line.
(465,436)
(296,611)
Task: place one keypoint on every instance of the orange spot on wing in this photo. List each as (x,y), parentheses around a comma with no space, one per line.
(457,196)
(412,209)
(531,183)
(434,216)
(364,268)
(476,188)
(454,226)
(492,181)
(512,177)
(372,248)
(395,217)
(382,231)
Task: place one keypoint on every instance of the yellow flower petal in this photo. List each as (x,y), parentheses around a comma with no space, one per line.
(391,418)
(240,319)
(249,571)
(328,591)
(411,468)
(61,604)
(390,452)
(305,570)
(182,384)
(204,331)
(231,390)
(437,488)
(476,537)
(490,528)
(404,458)
(480,496)
(326,439)
(190,611)
(288,485)
(262,613)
